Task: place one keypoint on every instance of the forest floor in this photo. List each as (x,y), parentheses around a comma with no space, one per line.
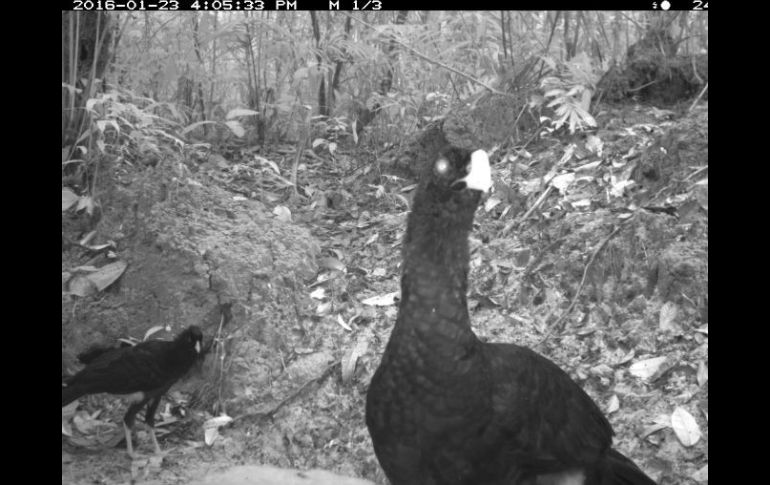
(593,251)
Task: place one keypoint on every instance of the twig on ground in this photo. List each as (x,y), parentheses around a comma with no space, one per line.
(270,413)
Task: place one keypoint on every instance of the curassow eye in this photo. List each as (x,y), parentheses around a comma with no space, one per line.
(441,166)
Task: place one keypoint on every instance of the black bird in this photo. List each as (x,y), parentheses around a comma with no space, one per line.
(143,372)
(444,408)
(90,354)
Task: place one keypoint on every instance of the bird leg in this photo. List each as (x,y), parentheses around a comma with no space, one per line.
(129,446)
(128,424)
(149,418)
(155,441)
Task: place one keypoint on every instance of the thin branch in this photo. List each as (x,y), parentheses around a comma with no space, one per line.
(270,413)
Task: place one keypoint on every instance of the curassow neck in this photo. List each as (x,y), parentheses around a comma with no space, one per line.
(435,269)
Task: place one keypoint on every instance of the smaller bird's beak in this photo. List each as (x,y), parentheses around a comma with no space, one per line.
(480,175)
(197,346)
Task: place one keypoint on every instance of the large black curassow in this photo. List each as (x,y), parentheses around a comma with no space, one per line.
(444,408)
(143,372)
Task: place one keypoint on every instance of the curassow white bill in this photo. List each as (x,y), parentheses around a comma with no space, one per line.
(480,175)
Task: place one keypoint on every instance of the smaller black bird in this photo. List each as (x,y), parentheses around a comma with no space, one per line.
(143,373)
(90,354)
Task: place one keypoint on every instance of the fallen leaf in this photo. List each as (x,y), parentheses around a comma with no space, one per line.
(107,274)
(595,145)
(379,272)
(86,203)
(614,404)
(351,358)
(372,239)
(81,286)
(703,373)
(69,409)
(99,247)
(701,475)
(84,423)
(157,328)
(667,316)
(323,309)
(67,412)
(648,430)
(68,199)
(387,299)
(627,357)
(322,278)
(318,294)
(87,238)
(491,203)
(685,427)
(403,200)
(618,188)
(85,269)
(282,213)
(704,329)
(331,263)
(662,421)
(211,428)
(66,429)
(563,181)
(588,166)
(701,190)
(644,369)
(343,324)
